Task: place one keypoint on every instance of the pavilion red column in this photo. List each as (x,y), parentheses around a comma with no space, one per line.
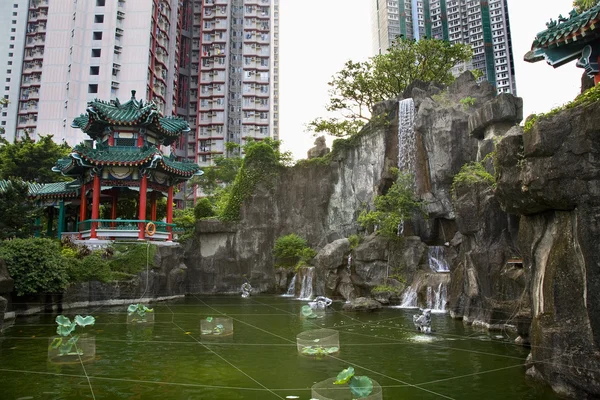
(95,205)
(82,207)
(113,209)
(142,211)
(170,212)
(140,140)
(153,206)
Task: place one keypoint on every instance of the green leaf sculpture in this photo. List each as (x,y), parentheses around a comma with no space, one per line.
(360,386)
(65,328)
(344,376)
(140,309)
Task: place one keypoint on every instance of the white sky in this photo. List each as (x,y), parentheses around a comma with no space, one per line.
(318,36)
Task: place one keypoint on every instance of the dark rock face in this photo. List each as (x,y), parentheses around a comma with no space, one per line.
(167,278)
(6,286)
(484,288)
(362,304)
(550,175)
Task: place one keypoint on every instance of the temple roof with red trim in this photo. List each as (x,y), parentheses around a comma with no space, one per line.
(103,114)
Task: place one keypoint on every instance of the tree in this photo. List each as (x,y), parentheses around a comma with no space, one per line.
(17,210)
(583,5)
(30,160)
(360,85)
(3,103)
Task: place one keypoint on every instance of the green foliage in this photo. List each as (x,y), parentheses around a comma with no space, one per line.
(223,173)
(32,161)
(397,205)
(473,173)
(17,210)
(292,250)
(36,265)
(132,258)
(203,209)
(92,267)
(128,208)
(260,165)
(184,219)
(360,85)
(583,5)
(592,95)
(354,241)
(467,102)
(386,289)
(360,386)
(308,312)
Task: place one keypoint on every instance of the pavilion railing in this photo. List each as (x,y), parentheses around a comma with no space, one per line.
(123,225)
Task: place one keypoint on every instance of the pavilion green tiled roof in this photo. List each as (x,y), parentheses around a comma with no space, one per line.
(103,114)
(44,190)
(125,156)
(181,167)
(563,31)
(83,157)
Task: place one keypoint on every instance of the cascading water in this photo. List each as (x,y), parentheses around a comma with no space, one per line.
(406,137)
(436,259)
(292,288)
(409,299)
(306,290)
(436,298)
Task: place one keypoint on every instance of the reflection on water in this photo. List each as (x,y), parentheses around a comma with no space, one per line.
(169,359)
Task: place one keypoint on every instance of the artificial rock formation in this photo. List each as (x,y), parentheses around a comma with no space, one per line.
(551,176)
(6,286)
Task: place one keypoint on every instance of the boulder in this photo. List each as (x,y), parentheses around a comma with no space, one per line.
(320,149)
(362,304)
(505,110)
(6,282)
(333,255)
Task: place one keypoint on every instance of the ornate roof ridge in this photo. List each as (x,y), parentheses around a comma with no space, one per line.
(562,28)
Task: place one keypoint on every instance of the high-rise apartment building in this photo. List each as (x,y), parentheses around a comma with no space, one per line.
(213,62)
(230,64)
(484,24)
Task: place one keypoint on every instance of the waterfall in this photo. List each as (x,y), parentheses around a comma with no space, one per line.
(409,299)
(306,290)
(436,259)
(406,137)
(436,298)
(292,288)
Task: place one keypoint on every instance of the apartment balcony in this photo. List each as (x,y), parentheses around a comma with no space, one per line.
(120,15)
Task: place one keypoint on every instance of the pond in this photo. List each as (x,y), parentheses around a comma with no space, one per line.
(170,358)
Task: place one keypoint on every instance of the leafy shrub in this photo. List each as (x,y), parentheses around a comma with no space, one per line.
(472,173)
(184,219)
(17,210)
(203,209)
(386,289)
(292,250)
(467,102)
(354,241)
(90,268)
(132,258)
(397,205)
(36,265)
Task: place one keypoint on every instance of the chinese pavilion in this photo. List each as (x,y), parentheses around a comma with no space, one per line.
(572,38)
(123,160)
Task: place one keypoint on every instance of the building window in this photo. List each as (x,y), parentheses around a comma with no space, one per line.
(11,46)
(6,88)
(15,6)
(14,22)
(94,70)
(93,88)
(10,54)
(97,35)
(12,38)
(98,18)
(100,3)
(9,71)
(7,79)
(96,52)
(13,29)
(14,14)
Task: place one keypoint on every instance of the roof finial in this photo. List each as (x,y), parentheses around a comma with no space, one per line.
(133,95)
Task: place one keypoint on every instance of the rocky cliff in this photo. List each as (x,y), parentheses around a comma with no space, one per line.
(550,175)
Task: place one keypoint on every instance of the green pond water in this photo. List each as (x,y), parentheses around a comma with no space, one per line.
(169,359)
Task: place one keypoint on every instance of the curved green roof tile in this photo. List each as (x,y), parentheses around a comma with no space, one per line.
(559,33)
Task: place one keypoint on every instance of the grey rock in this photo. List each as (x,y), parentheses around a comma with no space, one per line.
(362,304)
(504,109)
(320,149)
(333,254)
(3,305)
(6,282)
(372,248)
